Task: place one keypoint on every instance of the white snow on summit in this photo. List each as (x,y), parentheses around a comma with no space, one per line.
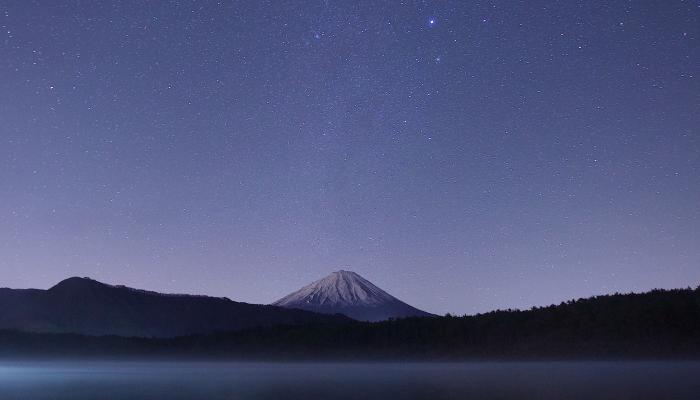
(341,288)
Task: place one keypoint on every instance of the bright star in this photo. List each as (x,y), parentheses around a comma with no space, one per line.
(431,21)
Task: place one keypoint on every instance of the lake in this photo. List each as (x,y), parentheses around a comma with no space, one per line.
(396,381)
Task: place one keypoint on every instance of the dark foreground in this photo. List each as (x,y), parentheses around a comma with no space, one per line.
(657,325)
(212,381)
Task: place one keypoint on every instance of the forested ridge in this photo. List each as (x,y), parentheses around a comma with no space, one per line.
(657,324)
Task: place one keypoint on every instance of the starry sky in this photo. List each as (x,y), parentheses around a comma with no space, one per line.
(462,155)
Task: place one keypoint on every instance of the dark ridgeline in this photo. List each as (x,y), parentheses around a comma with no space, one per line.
(658,324)
(88,307)
(348,293)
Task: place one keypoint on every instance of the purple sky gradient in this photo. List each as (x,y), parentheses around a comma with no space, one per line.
(506,154)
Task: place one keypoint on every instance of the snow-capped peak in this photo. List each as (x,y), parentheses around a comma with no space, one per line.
(346,292)
(340,288)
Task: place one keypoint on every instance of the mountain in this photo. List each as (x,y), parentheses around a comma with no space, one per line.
(346,292)
(655,325)
(85,306)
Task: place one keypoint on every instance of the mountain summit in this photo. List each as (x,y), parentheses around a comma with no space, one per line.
(346,292)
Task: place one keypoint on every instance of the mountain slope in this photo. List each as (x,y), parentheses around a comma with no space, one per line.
(346,292)
(647,326)
(85,306)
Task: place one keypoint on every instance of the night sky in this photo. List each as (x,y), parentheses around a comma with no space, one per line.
(464,156)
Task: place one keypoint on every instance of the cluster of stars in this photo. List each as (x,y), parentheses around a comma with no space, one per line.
(460,143)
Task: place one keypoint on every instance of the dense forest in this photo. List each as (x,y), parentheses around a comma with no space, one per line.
(657,324)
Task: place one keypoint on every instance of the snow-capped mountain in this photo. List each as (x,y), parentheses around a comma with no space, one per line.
(346,292)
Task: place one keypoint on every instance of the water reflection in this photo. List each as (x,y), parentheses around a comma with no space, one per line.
(200,380)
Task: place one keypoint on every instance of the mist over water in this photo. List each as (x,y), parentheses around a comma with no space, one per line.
(483,380)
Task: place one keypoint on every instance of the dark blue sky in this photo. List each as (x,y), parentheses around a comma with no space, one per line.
(464,156)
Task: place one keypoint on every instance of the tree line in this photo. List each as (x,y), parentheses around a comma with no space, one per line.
(656,324)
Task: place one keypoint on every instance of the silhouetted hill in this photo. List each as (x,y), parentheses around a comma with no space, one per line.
(658,324)
(85,306)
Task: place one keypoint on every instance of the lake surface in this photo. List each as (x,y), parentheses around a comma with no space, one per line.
(396,381)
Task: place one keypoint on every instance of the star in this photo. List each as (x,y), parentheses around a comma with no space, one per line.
(255,130)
